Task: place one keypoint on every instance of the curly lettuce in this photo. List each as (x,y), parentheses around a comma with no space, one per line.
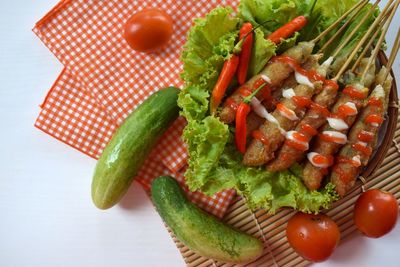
(209,43)
(268,190)
(263,50)
(272,14)
(206,141)
(214,163)
(204,53)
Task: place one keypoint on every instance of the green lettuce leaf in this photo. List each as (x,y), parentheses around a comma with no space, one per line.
(206,141)
(288,43)
(263,189)
(193,100)
(277,12)
(205,51)
(263,50)
(325,13)
(359,34)
(209,43)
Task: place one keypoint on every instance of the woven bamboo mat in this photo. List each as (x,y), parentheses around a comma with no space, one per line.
(271,228)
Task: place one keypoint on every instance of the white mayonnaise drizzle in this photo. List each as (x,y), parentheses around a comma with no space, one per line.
(289,135)
(379,92)
(290,115)
(310,157)
(266,78)
(258,108)
(357,159)
(340,136)
(358,86)
(261,111)
(337,124)
(301,79)
(362,143)
(288,93)
(327,63)
(324,67)
(352,106)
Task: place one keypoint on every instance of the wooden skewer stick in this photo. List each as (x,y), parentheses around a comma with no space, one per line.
(369,45)
(393,54)
(372,58)
(358,26)
(362,41)
(334,25)
(343,27)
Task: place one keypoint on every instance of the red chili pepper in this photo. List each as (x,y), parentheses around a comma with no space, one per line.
(241,126)
(224,79)
(241,120)
(245,54)
(288,29)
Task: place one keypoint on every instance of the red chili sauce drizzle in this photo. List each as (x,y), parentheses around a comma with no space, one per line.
(374,118)
(307,128)
(257,134)
(364,136)
(310,74)
(375,102)
(343,175)
(295,145)
(341,159)
(354,93)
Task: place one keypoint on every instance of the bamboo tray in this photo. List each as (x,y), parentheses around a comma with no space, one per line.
(382,172)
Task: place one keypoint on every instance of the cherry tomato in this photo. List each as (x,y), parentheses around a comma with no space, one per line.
(314,237)
(148,30)
(375,213)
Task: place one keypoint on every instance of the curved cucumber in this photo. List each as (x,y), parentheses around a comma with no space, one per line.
(199,231)
(130,145)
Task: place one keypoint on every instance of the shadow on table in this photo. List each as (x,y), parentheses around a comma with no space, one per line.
(345,254)
(135,199)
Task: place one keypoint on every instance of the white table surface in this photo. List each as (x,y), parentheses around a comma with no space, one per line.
(46,214)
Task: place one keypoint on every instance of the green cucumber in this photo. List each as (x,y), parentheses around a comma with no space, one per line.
(130,145)
(199,231)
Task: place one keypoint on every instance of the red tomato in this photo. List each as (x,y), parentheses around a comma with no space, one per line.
(148,30)
(375,213)
(314,237)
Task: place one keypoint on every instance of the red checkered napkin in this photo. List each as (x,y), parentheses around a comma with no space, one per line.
(86,36)
(104,80)
(71,115)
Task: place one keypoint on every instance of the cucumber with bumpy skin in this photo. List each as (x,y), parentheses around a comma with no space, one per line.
(199,231)
(130,145)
